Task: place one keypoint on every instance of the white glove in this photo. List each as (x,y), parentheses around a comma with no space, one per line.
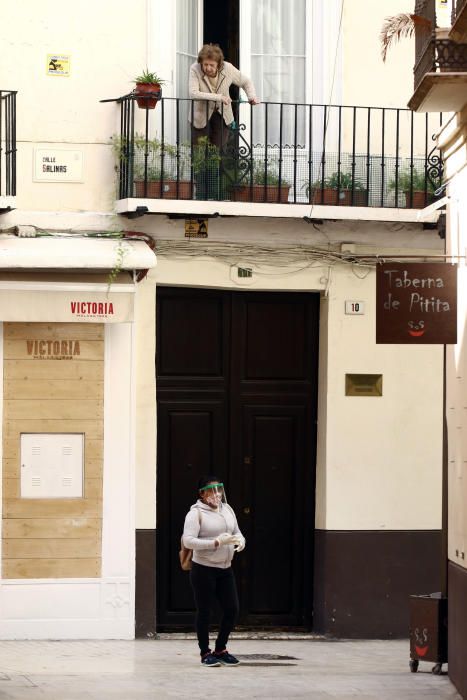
(241,544)
(227,538)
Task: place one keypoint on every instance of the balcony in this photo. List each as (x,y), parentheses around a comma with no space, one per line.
(440,72)
(282,160)
(7,150)
(459,22)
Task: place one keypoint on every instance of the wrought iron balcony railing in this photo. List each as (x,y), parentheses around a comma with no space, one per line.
(7,143)
(434,52)
(280,153)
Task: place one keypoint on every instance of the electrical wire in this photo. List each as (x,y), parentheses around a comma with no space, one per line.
(334,71)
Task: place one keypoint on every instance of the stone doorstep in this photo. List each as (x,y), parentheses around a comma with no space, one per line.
(261,635)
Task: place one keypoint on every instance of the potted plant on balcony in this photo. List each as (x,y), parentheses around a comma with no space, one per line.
(264,185)
(206,161)
(337,190)
(148,90)
(416,186)
(158,171)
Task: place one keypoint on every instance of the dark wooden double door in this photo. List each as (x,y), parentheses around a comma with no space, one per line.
(236,397)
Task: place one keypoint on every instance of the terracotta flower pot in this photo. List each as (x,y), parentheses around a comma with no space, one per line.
(147,95)
(167,191)
(272,194)
(329,196)
(420,200)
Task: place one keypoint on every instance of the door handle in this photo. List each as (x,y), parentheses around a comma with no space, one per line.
(246,510)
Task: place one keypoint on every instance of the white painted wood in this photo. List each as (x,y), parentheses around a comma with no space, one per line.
(278,211)
(76,253)
(119,414)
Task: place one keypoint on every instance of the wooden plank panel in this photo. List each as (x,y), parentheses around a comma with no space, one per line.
(94,449)
(11,468)
(53,389)
(51,568)
(12,429)
(45,538)
(93,469)
(93,488)
(51,548)
(19,350)
(50,508)
(11,488)
(11,448)
(52,527)
(54,369)
(60,409)
(80,331)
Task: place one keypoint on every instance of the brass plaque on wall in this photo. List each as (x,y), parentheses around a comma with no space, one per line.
(363,384)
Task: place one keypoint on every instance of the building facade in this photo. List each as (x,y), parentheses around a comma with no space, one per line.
(440,80)
(249,349)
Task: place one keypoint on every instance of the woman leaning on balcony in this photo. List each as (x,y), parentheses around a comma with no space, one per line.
(209,83)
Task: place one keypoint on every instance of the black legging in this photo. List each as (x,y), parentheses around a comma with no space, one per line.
(209,583)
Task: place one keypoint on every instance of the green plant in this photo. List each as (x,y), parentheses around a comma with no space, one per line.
(400,26)
(266,172)
(152,157)
(411,180)
(148,77)
(336,181)
(343,181)
(206,156)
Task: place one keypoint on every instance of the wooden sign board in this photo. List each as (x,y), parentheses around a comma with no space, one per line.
(416,303)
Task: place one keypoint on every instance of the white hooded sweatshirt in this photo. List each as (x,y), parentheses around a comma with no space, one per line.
(202,525)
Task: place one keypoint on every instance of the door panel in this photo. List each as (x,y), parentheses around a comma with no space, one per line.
(236,387)
(274,340)
(191,441)
(270,584)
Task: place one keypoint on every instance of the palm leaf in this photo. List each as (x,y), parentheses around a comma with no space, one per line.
(399,27)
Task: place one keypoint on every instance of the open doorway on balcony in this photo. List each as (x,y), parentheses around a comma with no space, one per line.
(221,26)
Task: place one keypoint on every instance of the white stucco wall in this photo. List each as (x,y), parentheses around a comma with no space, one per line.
(109,42)
(379,462)
(453,140)
(107,45)
(383,454)
(366,79)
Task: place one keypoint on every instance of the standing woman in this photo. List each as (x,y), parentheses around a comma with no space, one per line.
(212,532)
(209,83)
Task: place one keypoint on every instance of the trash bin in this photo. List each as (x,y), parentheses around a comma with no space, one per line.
(428,630)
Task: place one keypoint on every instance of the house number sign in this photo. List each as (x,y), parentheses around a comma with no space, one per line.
(355,308)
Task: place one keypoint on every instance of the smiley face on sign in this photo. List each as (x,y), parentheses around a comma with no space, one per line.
(416,328)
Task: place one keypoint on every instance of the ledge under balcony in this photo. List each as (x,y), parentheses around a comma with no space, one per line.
(277,160)
(7,150)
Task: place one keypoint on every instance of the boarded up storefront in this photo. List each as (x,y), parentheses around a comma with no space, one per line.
(53,386)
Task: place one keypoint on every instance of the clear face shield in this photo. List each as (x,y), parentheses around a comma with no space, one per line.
(213,494)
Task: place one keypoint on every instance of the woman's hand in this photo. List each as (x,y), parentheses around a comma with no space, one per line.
(226,100)
(255,101)
(241,544)
(226,538)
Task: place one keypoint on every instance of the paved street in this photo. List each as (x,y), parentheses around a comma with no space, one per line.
(169,668)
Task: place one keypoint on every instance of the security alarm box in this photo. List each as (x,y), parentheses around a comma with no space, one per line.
(52,465)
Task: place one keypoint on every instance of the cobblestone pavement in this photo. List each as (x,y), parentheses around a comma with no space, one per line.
(169,668)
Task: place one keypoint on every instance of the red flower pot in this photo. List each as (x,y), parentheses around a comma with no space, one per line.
(147,95)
